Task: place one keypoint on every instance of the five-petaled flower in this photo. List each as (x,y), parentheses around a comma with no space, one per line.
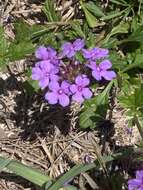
(95,53)
(137,183)
(48,53)
(101,70)
(69,49)
(80,90)
(58,93)
(45,72)
(65,77)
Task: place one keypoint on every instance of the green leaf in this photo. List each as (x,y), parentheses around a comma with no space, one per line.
(31,86)
(50,11)
(3,48)
(91,19)
(22,30)
(85,118)
(77,28)
(114,14)
(93,8)
(136,35)
(26,172)
(3,164)
(120,2)
(95,109)
(101,98)
(120,28)
(76,170)
(20,50)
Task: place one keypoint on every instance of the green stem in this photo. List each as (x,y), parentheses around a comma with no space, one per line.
(138,126)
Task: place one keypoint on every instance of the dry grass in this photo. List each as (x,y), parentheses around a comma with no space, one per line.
(43,137)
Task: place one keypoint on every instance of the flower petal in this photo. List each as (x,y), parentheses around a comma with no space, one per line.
(108,75)
(139,174)
(82,80)
(78,97)
(52,53)
(106,64)
(45,65)
(65,85)
(67,50)
(92,65)
(54,86)
(87,93)
(73,88)
(98,53)
(54,77)
(43,83)
(134,184)
(64,100)
(78,80)
(86,53)
(85,81)
(41,53)
(36,73)
(96,74)
(51,97)
(78,44)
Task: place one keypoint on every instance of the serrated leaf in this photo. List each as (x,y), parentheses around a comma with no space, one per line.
(25,32)
(20,50)
(113,14)
(120,28)
(91,19)
(22,31)
(93,8)
(50,12)
(85,118)
(77,28)
(136,35)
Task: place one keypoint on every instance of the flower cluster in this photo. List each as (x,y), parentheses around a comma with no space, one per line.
(64,77)
(137,183)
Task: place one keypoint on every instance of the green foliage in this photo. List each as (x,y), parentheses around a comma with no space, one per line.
(91,19)
(24,171)
(50,12)
(94,9)
(95,109)
(46,182)
(3,48)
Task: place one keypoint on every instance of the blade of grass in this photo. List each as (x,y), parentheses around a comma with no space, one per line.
(26,172)
(76,170)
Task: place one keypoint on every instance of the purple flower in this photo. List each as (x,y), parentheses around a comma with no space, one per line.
(95,53)
(42,53)
(101,70)
(44,71)
(137,183)
(78,44)
(80,90)
(48,53)
(69,49)
(59,93)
